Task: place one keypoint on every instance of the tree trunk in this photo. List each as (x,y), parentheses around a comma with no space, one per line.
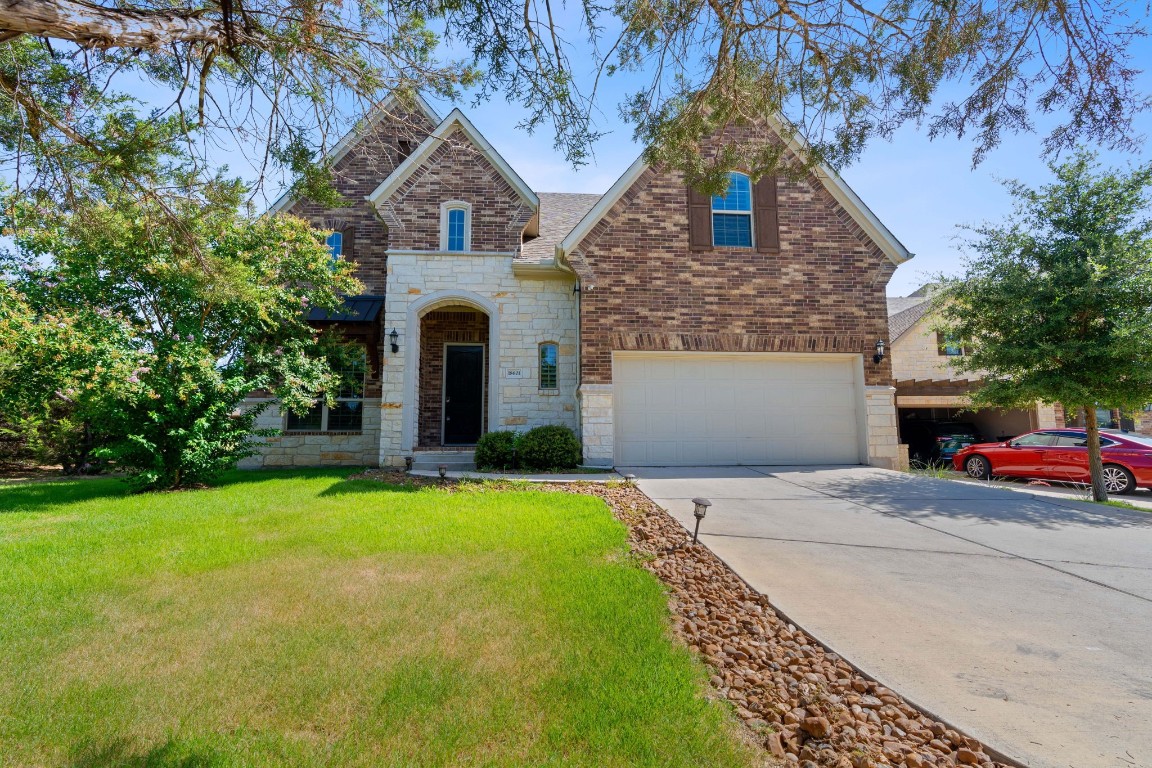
(90,25)
(1095,462)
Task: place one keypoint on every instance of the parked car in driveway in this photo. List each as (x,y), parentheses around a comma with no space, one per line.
(937,441)
(1062,454)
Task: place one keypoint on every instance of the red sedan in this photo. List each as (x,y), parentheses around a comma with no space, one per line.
(1062,454)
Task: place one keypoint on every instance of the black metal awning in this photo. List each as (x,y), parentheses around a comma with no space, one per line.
(356,309)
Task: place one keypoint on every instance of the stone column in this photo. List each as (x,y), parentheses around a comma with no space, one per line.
(596,426)
(883,439)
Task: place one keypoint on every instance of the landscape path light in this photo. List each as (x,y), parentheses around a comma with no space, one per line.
(629,479)
(443,468)
(701,510)
(408,463)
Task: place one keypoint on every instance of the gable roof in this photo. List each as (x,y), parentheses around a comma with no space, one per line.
(905,312)
(836,186)
(559,212)
(456,120)
(348,140)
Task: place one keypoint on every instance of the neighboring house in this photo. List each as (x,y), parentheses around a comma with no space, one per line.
(665,327)
(929,389)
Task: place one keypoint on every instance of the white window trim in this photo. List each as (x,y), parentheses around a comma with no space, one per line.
(455,205)
(750,213)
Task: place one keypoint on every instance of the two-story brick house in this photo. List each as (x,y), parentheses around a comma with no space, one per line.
(665,327)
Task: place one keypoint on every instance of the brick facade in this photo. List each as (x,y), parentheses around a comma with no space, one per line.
(644,289)
(455,171)
(370,160)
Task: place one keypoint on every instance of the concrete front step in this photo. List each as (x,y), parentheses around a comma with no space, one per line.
(456,461)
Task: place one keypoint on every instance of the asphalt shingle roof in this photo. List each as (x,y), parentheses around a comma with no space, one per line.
(904,312)
(560,212)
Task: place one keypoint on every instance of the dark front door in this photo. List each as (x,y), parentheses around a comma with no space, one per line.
(463,393)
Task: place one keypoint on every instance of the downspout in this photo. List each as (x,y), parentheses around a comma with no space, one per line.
(562,263)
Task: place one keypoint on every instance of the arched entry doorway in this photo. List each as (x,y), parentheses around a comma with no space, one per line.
(453,378)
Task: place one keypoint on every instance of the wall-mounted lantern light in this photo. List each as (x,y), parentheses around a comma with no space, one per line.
(701,510)
(876,358)
(394,337)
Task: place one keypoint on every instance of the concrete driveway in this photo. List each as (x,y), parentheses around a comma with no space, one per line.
(1025,620)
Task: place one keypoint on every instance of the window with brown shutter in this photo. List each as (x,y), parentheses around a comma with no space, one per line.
(766,214)
(699,220)
(349,244)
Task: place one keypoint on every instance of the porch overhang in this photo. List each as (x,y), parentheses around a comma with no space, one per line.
(358,319)
(934,393)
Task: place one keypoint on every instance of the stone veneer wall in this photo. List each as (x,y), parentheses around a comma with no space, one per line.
(316,449)
(644,288)
(916,355)
(438,328)
(528,312)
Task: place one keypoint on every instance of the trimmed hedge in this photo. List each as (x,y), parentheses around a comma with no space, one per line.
(548,447)
(496,450)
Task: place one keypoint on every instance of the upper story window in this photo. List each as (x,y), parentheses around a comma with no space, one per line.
(732,214)
(335,243)
(549,365)
(948,345)
(456,227)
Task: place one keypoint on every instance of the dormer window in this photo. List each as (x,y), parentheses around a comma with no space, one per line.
(456,227)
(732,214)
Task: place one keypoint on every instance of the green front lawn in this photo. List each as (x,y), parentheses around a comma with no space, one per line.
(300,618)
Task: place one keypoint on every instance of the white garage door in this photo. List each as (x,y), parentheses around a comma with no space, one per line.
(676,410)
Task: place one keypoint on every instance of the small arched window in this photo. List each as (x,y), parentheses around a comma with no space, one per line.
(456,227)
(335,243)
(732,214)
(549,365)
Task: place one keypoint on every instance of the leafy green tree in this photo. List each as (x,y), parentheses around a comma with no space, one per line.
(1056,302)
(114,324)
(285,77)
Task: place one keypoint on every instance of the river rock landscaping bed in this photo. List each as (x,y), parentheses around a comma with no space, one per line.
(806,705)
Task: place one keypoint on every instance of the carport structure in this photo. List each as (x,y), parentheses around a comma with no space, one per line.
(929,388)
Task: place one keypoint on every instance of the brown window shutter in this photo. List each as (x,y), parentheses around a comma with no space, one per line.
(699,220)
(767,217)
(348,243)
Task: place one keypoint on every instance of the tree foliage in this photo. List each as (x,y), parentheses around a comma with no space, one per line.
(287,76)
(1056,302)
(124,339)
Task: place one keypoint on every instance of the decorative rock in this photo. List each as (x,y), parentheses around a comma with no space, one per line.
(775,746)
(816,727)
(967,756)
(775,675)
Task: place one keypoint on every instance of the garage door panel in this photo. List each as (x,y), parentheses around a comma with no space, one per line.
(728,409)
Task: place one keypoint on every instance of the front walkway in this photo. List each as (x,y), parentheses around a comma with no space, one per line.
(1024,620)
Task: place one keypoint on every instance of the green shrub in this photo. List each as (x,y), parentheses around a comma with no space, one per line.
(496,450)
(550,447)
